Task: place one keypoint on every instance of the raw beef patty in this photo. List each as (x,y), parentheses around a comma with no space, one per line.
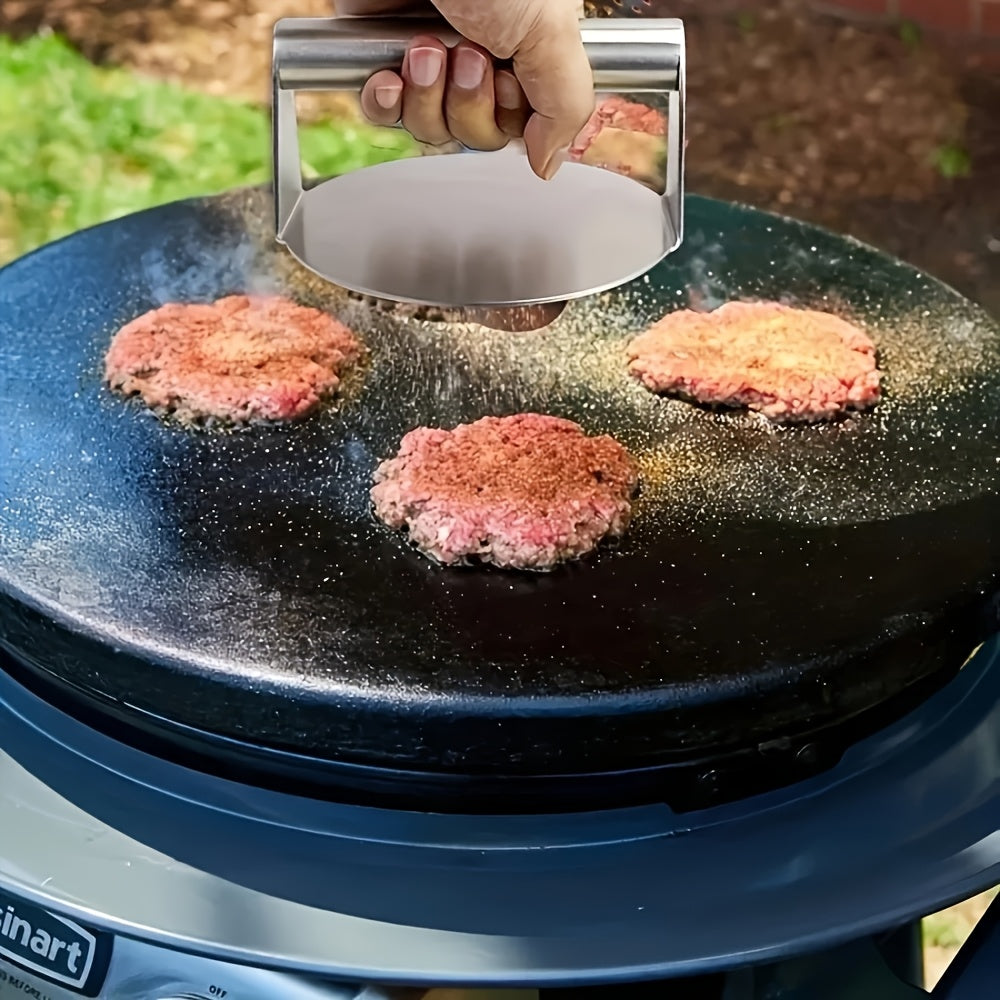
(625,137)
(240,359)
(788,364)
(525,492)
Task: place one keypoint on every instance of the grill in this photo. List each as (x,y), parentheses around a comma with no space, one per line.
(254,746)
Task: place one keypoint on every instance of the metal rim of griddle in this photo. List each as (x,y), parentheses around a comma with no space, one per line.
(905,824)
(689,782)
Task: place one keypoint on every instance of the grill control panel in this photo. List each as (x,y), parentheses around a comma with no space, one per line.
(140,971)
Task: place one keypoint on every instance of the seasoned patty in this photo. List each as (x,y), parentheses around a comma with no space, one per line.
(237,360)
(524,492)
(625,137)
(788,364)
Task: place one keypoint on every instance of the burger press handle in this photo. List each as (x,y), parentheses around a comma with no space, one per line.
(474,229)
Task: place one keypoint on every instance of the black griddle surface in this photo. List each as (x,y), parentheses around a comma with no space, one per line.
(236,584)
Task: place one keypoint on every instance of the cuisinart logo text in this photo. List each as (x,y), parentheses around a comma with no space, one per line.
(57,949)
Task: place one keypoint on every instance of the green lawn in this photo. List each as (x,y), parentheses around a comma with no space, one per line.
(81,144)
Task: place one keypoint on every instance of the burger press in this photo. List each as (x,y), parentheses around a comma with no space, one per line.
(474,229)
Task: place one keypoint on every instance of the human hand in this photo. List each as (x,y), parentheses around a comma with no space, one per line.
(441,94)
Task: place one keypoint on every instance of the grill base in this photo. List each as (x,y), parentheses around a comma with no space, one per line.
(903,825)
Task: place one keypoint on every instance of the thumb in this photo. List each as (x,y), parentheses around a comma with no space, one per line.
(554,72)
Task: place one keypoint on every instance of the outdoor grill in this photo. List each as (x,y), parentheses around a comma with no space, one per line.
(254,746)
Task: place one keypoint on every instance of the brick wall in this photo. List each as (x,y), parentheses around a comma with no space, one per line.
(967,17)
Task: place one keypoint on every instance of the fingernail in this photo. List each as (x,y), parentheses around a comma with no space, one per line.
(425,65)
(388,96)
(469,69)
(508,91)
(557,160)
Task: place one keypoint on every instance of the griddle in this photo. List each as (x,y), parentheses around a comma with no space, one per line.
(229,599)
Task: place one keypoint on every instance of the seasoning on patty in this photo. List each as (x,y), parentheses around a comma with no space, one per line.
(791,365)
(239,360)
(523,492)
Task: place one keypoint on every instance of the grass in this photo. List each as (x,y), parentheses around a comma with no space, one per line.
(945,930)
(952,160)
(911,34)
(81,144)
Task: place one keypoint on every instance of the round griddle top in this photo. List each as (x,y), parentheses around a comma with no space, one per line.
(235,587)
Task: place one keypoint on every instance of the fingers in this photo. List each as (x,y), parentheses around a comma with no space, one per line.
(441,95)
(543,37)
(424,80)
(512,110)
(469,98)
(549,61)
(382,98)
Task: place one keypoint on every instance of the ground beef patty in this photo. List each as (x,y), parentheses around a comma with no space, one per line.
(788,364)
(625,137)
(241,359)
(525,492)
